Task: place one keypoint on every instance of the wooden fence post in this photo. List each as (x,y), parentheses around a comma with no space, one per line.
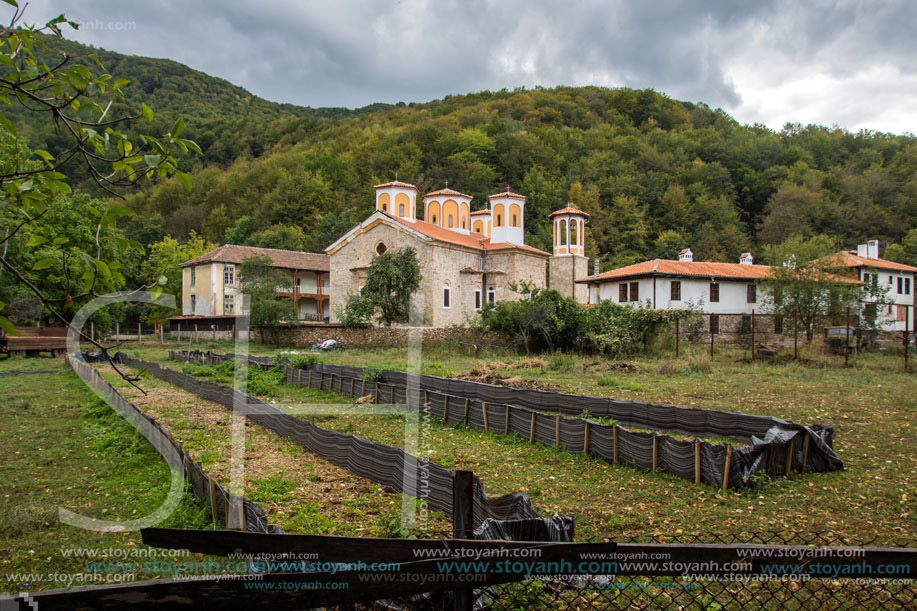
(506,421)
(805,454)
(789,456)
(463,524)
(377,393)
(213,498)
(392,395)
(465,417)
(655,450)
(586,439)
(696,460)
(557,429)
(445,408)
(614,449)
(484,412)
(532,429)
(726,467)
(362,385)
(321,382)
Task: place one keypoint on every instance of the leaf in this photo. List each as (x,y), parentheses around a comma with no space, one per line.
(185,180)
(121,211)
(147,112)
(178,127)
(5,324)
(7,124)
(12,3)
(61,241)
(44,264)
(36,240)
(152,160)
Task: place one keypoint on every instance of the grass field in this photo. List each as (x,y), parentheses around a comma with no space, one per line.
(63,448)
(871,404)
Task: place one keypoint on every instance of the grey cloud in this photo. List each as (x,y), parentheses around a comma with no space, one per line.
(355,53)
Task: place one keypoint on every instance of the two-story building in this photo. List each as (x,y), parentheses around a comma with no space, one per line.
(212,291)
(892,304)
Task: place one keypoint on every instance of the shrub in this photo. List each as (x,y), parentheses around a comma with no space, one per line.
(303,361)
(371,374)
(357,311)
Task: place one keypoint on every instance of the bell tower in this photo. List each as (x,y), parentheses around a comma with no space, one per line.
(569,262)
(507,218)
(398,199)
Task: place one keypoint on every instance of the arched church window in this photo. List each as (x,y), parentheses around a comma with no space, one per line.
(381,248)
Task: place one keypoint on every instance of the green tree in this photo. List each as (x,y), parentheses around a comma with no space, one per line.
(77,99)
(906,251)
(284,237)
(356,312)
(161,267)
(259,281)
(390,281)
(806,279)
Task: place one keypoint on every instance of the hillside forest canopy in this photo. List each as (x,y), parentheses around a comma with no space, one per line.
(655,174)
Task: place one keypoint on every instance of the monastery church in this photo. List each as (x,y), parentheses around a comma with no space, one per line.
(467,258)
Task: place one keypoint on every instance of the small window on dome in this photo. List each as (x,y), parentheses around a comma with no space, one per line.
(381,248)
(434,219)
(450,221)
(401,210)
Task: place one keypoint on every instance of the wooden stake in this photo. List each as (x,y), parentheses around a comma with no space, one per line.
(586,439)
(726,467)
(445,408)
(362,385)
(484,411)
(805,453)
(789,456)
(465,417)
(655,451)
(213,498)
(353,381)
(532,429)
(557,429)
(392,395)
(506,420)
(614,448)
(310,378)
(377,393)
(299,377)
(697,461)
(321,382)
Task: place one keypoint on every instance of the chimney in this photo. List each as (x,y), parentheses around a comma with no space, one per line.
(686,256)
(595,267)
(872,249)
(746,259)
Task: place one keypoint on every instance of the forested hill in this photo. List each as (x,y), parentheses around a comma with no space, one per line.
(656,174)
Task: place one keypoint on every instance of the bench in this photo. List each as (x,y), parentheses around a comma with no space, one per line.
(34,340)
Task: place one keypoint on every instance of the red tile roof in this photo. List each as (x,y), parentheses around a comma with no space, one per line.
(452,192)
(698,269)
(395,183)
(851,259)
(473,240)
(290,259)
(481,212)
(567,210)
(506,193)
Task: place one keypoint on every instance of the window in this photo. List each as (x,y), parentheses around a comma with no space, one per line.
(229,303)
(907,286)
(751,293)
(902,313)
(492,296)
(891,281)
(381,248)
(384,207)
(499,220)
(622,292)
(477,298)
(434,219)
(635,291)
(360,290)
(229,275)
(193,275)
(676,290)
(778,324)
(901,286)
(714,292)
(464,223)
(515,221)
(450,222)
(871,312)
(714,323)
(193,304)
(400,209)
(447,296)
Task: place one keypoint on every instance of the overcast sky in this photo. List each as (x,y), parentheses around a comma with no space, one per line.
(835,62)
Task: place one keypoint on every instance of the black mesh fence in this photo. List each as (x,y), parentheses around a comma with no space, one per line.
(226,509)
(542,416)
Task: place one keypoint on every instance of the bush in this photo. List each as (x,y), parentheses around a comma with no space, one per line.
(356,313)
(303,361)
(371,374)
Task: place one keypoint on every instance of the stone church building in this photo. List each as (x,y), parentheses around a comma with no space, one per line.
(466,258)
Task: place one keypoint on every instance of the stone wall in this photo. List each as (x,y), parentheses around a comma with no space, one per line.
(564,270)
(375,337)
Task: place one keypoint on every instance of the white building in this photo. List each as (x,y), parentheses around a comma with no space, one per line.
(895,281)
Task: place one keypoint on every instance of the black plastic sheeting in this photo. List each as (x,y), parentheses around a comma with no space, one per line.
(558,528)
(173,453)
(772,442)
(382,464)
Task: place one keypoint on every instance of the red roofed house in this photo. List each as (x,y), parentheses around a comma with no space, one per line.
(466,258)
(896,279)
(211,289)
